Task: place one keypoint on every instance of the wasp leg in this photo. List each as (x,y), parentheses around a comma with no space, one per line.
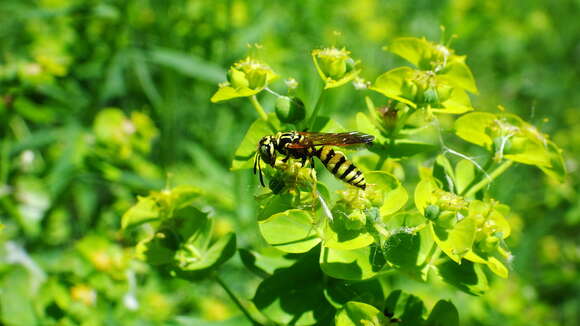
(286,158)
(303,161)
(312,172)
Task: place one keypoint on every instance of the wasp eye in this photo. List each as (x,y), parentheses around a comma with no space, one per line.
(267,154)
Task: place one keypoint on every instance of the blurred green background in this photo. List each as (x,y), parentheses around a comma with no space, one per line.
(101,101)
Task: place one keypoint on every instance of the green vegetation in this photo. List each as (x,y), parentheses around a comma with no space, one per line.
(129,129)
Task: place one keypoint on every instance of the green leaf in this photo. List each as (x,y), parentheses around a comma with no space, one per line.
(274,204)
(444,313)
(184,237)
(347,231)
(264,265)
(394,194)
(405,307)
(219,252)
(556,168)
(464,175)
(338,235)
(360,314)
(339,292)
(391,84)
(225,93)
(357,264)
(458,74)
(443,171)
(294,295)
(365,125)
(145,210)
(424,194)
(455,242)
(411,49)
(402,249)
(290,231)
(497,267)
(409,244)
(457,103)
(159,249)
(467,276)
(193,227)
(244,155)
(472,127)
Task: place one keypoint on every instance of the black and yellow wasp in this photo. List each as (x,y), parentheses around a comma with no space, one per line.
(306,145)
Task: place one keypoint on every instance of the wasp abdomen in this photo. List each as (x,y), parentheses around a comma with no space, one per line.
(342,168)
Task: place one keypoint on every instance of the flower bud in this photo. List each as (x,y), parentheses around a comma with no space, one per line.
(257,78)
(431,96)
(290,109)
(237,78)
(250,73)
(409,89)
(432,212)
(333,63)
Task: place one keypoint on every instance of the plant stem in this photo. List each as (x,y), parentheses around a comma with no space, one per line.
(317,107)
(398,128)
(258,107)
(380,163)
(485,181)
(236,300)
(256,104)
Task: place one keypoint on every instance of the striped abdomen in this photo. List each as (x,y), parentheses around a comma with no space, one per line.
(337,163)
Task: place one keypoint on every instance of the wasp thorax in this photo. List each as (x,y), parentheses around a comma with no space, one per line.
(267,150)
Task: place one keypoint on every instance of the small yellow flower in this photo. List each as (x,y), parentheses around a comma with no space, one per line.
(246,77)
(335,66)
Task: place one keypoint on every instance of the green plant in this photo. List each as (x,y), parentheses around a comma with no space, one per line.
(337,249)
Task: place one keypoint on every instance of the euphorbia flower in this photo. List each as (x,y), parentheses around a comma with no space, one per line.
(335,66)
(245,78)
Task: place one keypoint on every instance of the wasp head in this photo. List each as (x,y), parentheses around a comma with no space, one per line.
(267,153)
(267,150)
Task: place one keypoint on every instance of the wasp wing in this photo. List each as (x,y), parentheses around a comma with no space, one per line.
(333,139)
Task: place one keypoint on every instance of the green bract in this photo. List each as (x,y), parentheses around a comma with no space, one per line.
(429,56)
(181,241)
(465,229)
(246,77)
(507,136)
(420,89)
(335,66)
(360,314)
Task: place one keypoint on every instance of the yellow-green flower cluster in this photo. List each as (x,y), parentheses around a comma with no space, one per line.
(335,66)
(246,77)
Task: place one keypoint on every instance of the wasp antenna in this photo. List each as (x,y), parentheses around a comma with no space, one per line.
(261,174)
(256,158)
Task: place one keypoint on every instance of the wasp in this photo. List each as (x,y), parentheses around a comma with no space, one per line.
(307,145)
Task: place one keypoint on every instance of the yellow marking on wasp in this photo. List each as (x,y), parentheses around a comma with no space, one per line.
(343,169)
(324,152)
